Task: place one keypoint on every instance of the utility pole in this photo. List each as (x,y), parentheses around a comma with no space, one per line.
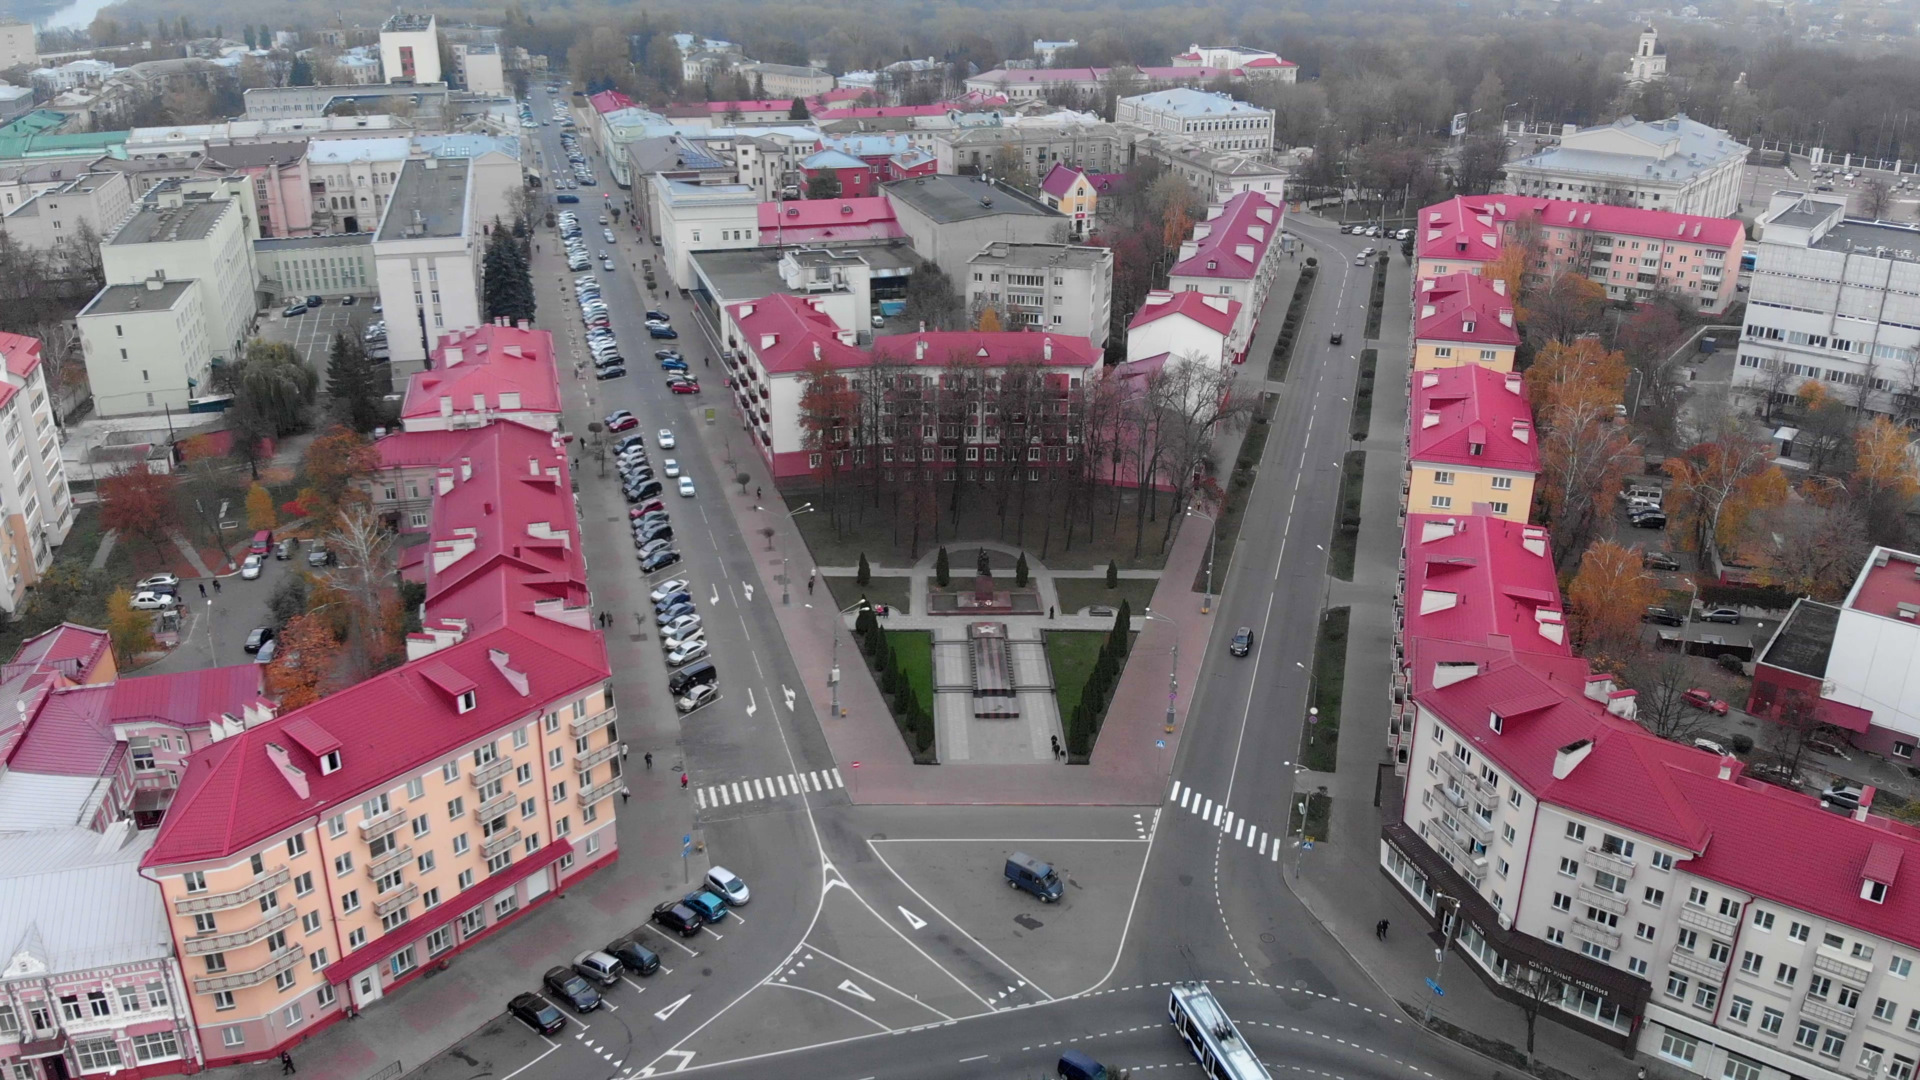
(1447,924)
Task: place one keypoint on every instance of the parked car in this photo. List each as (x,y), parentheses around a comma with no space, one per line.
(712,908)
(294,309)
(568,986)
(683,386)
(537,1013)
(1659,560)
(149,600)
(611,371)
(1652,519)
(1664,616)
(667,588)
(727,885)
(598,966)
(659,562)
(662,332)
(634,956)
(695,698)
(677,916)
(1700,699)
(250,569)
(257,638)
(158,581)
(1721,614)
(687,652)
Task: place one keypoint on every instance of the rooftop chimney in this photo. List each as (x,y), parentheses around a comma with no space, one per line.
(1569,757)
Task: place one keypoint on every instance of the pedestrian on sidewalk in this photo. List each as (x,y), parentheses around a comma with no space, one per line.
(625,794)
(1380,929)
(623,751)
(756,492)
(1049,611)
(649,759)
(286,1064)
(216,584)
(683,779)
(1056,746)
(203,590)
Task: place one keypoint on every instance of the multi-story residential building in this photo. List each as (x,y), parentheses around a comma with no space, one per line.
(1675,164)
(23,179)
(479,68)
(483,374)
(17,47)
(1471,448)
(701,217)
(1192,326)
(935,377)
(1215,174)
(1253,63)
(951,218)
(1058,288)
(1631,252)
(147,346)
(1068,190)
(72,75)
(1835,300)
(34,496)
(1035,148)
(193,235)
(1649,62)
(1464,319)
(768,159)
(68,219)
(1850,664)
(331,854)
(786,80)
(1212,119)
(410,49)
(1234,252)
(426,259)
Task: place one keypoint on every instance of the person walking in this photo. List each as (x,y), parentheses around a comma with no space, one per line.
(683,779)
(649,759)
(623,751)
(203,590)
(216,584)
(1049,611)
(286,1064)
(1380,930)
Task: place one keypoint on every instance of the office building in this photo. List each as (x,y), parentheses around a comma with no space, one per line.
(147,346)
(68,219)
(426,259)
(410,49)
(701,217)
(1212,119)
(950,219)
(479,69)
(1676,164)
(177,234)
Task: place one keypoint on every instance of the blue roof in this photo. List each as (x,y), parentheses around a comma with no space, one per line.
(831,159)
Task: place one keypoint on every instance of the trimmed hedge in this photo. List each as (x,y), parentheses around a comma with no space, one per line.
(1084,725)
(1363,395)
(1296,308)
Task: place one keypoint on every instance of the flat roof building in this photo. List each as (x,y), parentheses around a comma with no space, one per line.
(1675,164)
(951,218)
(1059,288)
(1212,119)
(426,256)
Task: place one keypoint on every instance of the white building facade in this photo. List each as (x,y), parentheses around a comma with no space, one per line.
(1213,120)
(1059,288)
(192,236)
(146,346)
(701,217)
(410,49)
(426,260)
(1676,164)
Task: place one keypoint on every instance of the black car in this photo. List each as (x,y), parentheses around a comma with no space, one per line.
(567,985)
(662,531)
(639,959)
(667,615)
(1664,616)
(1336,338)
(260,636)
(617,371)
(659,561)
(537,1013)
(1242,642)
(675,915)
(660,315)
(1654,520)
(673,600)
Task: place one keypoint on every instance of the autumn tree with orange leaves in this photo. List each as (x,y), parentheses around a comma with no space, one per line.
(1563,309)
(1717,486)
(1584,453)
(304,656)
(335,466)
(1608,595)
(1884,483)
(1582,370)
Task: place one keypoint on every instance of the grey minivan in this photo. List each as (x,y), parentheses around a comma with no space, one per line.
(1026,872)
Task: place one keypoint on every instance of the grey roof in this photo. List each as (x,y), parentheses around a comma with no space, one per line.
(1879,238)
(679,191)
(1186,101)
(433,198)
(41,171)
(405,20)
(121,299)
(42,875)
(1805,640)
(43,801)
(671,153)
(1698,149)
(269,245)
(787,69)
(946,198)
(254,155)
(1012,254)
(191,220)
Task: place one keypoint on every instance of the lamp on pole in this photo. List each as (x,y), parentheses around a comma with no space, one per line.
(833,672)
(1173,672)
(786,598)
(1213,539)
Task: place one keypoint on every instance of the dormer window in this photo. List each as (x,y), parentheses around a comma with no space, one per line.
(1875,891)
(329,762)
(466,702)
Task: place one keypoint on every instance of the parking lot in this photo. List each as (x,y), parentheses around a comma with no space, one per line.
(312,334)
(213,633)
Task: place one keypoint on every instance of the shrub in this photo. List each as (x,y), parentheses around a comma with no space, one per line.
(1113,575)
(1742,744)
(1020,571)
(942,573)
(865,574)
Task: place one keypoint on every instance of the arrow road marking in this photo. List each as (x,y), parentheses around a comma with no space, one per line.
(789,693)
(667,1012)
(913,920)
(848,986)
(716,595)
(751,707)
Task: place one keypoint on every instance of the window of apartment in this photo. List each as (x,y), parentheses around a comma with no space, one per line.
(1739,1010)
(1899,967)
(303,883)
(1799,931)
(1763,920)
(1606,882)
(337,826)
(1770,1020)
(1686,940)
(350,901)
(450,771)
(1677,1047)
(456,808)
(1900,1068)
(1884,1009)
(343,864)
(1443,502)
(1697,897)
(1569,867)
(1442,476)
(1832,1043)
(1562,902)
(357,938)
(296,845)
(466,879)
(416,788)
(460,844)
(421,825)
(1677,985)
(1576,832)
(310,922)
(1654,897)
(1786,974)
(1637,966)
(424,862)
(1662,861)
(222,1001)
(1706,996)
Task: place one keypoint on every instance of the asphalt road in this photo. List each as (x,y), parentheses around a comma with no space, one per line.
(881,941)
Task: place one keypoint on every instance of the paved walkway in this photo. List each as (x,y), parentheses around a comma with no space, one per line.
(188,552)
(1340,881)
(105,551)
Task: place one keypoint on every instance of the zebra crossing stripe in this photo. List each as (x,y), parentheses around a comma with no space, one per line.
(814,776)
(1208,812)
(1263,843)
(758,792)
(782,781)
(701,798)
(1175,793)
(1227,826)
(1250,834)
(738,795)
(1239,827)
(1183,798)
(837,781)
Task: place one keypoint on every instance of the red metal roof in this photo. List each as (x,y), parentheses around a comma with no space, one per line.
(21,355)
(1465,307)
(188,698)
(1212,311)
(787,333)
(1060,179)
(84,646)
(1483,580)
(419,449)
(607,101)
(816,213)
(1471,227)
(494,360)
(1248,220)
(71,735)
(1473,416)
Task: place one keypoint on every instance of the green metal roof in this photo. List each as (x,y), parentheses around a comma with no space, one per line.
(37,135)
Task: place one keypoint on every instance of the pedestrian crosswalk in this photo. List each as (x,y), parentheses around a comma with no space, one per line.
(768,787)
(1237,829)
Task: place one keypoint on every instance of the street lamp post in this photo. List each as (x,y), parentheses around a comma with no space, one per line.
(833,672)
(1173,672)
(786,599)
(1213,539)
(1440,952)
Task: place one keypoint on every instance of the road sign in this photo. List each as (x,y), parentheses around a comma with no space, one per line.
(1435,987)
(1159,744)
(856,764)
(1307,844)
(686,845)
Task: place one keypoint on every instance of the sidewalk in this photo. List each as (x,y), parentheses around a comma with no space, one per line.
(1340,882)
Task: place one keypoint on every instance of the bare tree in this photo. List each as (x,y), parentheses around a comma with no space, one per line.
(1534,986)
(1661,705)
(362,573)
(1876,198)
(1197,407)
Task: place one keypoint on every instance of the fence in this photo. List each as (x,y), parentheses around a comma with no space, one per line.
(391,1072)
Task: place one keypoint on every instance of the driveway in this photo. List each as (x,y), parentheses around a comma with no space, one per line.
(312,334)
(216,628)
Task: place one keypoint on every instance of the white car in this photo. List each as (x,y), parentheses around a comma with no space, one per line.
(668,588)
(696,697)
(682,626)
(666,438)
(153,601)
(250,570)
(687,652)
(670,466)
(156,581)
(686,487)
(728,884)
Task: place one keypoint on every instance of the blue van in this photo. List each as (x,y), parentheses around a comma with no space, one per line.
(1075,1065)
(1028,873)
(566,198)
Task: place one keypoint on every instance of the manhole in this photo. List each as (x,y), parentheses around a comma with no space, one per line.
(1028,921)
(706,971)
(1267,938)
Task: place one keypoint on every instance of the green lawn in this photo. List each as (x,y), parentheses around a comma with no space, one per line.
(1319,820)
(891,591)
(1071,654)
(1077,593)
(914,648)
(1320,743)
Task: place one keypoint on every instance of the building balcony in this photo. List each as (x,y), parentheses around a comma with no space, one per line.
(376,827)
(390,862)
(1712,924)
(588,761)
(1605,901)
(589,796)
(1452,798)
(499,842)
(394,901)
(492,770)
(1854,973)
(593,721)
(240,980)
(1598,935)
(212,943)
(261,886)
(1698,966)
(1612,864)
(1464,773)
(1831,1015)
(497,805)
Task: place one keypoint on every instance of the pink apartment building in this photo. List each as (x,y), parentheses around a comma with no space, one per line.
(1234,253)
(1629,251)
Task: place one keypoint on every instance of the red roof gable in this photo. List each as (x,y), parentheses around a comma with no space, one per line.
(1249,219)
(817,213)
(1474,416)
(1483,580)
(1060,179)
(21,355)
(1269,62)
(1467,308)
(71,736)
(493,360)
(1470,227)
(607,101)
(73,648)
(187,698)
(938,348)
(1214,312)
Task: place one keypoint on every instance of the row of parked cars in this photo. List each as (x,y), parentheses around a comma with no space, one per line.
(608,361)
(578,256)
(584,984)
(582,172)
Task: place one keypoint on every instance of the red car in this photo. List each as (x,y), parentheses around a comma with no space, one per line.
(644,509)
(1700,699)
(622,421)
(683,386)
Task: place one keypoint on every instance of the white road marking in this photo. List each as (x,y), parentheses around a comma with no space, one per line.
(781,782)
(913,920)
(851,987)
(667,1013)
